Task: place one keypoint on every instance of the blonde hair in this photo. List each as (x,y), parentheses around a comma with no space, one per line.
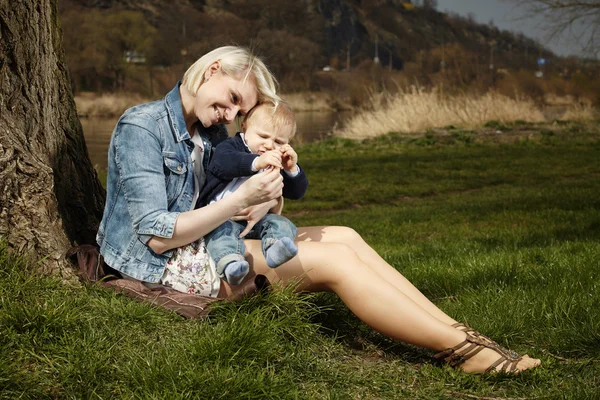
(278,116)
(234,61)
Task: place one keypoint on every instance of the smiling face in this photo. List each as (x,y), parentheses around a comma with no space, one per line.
(261,135)
(222,97)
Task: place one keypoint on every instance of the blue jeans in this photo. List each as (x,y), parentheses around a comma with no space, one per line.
(225,246)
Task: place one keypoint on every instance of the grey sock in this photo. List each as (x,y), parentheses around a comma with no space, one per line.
(281,251)
(236,271)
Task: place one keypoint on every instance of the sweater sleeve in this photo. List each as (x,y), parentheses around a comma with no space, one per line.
(230,160)
(295,187)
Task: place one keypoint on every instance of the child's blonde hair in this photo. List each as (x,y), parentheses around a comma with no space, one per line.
(278,116)
(234,61)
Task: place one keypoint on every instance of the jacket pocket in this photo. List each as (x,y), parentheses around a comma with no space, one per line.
(175,175)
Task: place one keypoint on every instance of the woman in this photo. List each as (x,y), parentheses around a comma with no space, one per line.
(150,230)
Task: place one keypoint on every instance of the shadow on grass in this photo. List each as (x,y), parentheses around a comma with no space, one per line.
(338,323)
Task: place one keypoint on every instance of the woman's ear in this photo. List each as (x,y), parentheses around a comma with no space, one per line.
(211,70)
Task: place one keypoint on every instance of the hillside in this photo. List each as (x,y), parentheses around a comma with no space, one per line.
(296,37)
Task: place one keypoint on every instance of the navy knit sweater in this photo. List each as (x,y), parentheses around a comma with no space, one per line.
(232,159)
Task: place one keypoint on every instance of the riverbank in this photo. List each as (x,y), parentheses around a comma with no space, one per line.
(410,111)
(111,105)
(498,225)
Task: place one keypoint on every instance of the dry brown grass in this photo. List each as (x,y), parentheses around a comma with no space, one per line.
(418,110)
(553,99)
(106,105)
(582,111)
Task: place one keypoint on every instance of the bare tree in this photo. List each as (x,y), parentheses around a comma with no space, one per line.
(50,196)
(577,20)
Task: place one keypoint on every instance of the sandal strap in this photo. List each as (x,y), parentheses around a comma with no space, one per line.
(462,350)
(509,366)
(471,346)
(509,354)
(451,350)
(462,326)
(460,357)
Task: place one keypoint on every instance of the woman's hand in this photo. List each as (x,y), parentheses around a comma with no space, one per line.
(262,187)
(253,214)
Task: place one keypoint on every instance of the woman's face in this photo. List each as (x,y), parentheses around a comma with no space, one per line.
(222,97)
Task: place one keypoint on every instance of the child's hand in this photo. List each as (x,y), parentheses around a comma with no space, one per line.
(289,158)
(269,158)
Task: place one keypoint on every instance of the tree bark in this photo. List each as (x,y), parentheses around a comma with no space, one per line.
(50,196)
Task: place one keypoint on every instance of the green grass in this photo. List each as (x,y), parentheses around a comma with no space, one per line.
(500,230)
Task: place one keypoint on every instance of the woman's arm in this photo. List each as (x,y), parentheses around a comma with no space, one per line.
(190,226)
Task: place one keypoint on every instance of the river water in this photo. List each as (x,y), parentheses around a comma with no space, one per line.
(312,126)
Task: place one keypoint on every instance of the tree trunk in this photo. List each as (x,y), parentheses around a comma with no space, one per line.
(50,196)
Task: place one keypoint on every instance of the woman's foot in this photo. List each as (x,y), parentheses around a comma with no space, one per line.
(479,355)
(487,357)
(469,330)
(528,361)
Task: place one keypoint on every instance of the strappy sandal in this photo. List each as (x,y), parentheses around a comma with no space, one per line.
(470,331)
(471,346)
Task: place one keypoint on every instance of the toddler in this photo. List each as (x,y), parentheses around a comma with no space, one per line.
(264,143)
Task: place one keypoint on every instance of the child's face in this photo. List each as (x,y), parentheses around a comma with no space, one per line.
(261,137)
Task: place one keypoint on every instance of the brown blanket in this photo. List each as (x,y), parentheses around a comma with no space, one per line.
(92,268)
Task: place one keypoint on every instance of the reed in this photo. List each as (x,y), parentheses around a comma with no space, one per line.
(580,112)
(417,110)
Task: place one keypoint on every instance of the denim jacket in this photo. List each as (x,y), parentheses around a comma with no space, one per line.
(150,182)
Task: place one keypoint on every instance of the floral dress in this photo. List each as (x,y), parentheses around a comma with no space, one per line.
(191,270)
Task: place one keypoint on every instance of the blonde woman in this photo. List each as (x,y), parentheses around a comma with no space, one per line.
(151,232)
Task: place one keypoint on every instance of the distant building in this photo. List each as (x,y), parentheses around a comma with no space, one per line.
(134,57)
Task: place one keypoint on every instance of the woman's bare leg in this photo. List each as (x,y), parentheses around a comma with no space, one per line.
(349,237)
(385,309)
(335,267)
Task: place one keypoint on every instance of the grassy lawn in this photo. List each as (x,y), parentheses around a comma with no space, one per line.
(499,226)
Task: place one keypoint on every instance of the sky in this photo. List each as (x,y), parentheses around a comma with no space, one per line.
(505,16)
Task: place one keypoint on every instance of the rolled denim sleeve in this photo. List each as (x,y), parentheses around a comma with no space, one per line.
(139,159)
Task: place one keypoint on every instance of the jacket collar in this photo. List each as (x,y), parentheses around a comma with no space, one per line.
(175,110)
